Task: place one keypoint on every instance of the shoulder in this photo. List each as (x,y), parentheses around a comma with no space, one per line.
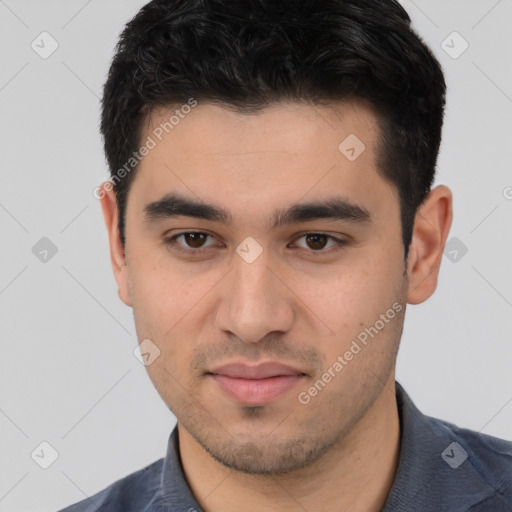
(489,454)
(488,460)
(134,492)
(446,468)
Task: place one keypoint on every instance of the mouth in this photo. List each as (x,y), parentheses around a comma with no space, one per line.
(256,385)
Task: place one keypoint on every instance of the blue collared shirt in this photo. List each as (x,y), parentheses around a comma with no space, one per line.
(441,467)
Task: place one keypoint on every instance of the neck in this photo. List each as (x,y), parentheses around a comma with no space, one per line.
(356,474)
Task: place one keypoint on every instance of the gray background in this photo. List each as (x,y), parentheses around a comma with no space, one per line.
(68,375)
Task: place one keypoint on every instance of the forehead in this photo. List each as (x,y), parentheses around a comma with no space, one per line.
(282,154)
(281,127)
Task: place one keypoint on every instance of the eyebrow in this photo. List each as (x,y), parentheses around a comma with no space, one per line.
(334,208)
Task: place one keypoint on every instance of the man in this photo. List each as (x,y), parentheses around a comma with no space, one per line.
(270,215)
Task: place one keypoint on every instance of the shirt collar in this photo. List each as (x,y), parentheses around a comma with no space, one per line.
(176,494)
(429,477)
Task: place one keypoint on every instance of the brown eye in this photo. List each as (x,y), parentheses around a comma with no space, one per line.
(319,243)
(195,240)
(316,241)
(192,242)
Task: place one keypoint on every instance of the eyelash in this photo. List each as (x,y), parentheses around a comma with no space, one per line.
(171,242)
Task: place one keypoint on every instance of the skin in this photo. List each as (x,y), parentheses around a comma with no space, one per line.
(294,304)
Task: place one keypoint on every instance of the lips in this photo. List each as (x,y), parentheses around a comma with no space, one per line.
(256,385)
(261,371)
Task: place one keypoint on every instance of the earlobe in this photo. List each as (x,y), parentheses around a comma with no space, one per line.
(117,251)
(431,227)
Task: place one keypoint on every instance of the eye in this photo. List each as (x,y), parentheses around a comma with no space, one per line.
(191,241)
(318,242)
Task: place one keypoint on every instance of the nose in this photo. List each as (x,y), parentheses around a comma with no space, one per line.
(254,301)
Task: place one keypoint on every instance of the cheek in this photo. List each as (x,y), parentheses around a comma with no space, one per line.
(349,298)
(163,305)
(160,291)
(170,306)
(350,306)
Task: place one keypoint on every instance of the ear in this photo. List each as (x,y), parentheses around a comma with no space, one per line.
(117,254)
(431,227)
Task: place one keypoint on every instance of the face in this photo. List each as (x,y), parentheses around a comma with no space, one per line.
(271,283)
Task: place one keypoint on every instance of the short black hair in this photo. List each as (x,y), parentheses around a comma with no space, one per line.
(247,55)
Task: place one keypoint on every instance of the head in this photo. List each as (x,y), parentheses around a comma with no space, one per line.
(272,165)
